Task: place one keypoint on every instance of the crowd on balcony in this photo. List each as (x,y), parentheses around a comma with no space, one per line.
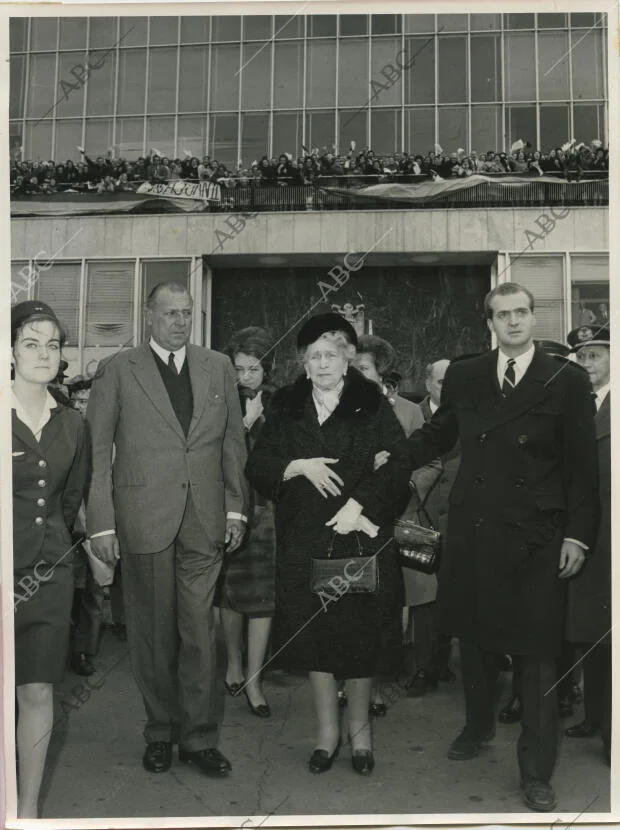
(109,175)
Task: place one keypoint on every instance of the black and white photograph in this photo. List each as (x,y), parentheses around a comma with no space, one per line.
(308,518)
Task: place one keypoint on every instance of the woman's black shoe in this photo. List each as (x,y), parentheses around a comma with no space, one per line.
(512,711)
(342,698)
(234,689)
(379,710)
(261,711)
(321,761)
(363,761)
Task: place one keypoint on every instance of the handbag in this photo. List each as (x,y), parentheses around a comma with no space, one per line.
(419,546)
(350,575)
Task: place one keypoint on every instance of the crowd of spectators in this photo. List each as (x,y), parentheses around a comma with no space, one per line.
(109,175)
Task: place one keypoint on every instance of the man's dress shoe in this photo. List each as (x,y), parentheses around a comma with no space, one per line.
(210,761)
(82,664)
(157,757)
(512,711)
(538,796)
(421,683)
(585,729)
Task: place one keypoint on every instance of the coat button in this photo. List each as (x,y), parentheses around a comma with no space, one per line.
(40,502)
(42,463)
(482,437)
(522,440)
(38,520)
(480,480)
(42,482)
(519,482)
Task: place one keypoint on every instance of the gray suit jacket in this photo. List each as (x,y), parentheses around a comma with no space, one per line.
(142,462)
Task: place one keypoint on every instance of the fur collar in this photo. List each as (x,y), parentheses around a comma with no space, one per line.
(359,397)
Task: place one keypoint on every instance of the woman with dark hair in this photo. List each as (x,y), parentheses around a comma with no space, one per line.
(246,587)
(315,459)
(50,467)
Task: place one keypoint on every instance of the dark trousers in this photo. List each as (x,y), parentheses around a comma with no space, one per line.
(432,650)
(537,745)
(171,634)
(88,602)
(116,597)
(597,689)
(567,672)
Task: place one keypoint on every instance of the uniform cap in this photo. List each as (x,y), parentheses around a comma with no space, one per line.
(588,336)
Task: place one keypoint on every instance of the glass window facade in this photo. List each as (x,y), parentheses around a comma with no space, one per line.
(222,85)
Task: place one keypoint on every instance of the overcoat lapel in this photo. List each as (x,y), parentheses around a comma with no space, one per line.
(200,377)
(602,420)
(148,376)
(533,388)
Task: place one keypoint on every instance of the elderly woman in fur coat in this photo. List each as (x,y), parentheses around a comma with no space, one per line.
(315,459)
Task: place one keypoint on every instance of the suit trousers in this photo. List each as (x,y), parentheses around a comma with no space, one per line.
(597,689)
(88,600)
(537,745)
(168,598)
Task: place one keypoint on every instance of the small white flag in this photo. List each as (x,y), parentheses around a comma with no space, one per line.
(156,152)
(596,142)
(519,144)
(188,154)
(438,148)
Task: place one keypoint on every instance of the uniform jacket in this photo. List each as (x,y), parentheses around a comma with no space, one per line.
(589,592)
(143,493)
(49,478)
(527,479)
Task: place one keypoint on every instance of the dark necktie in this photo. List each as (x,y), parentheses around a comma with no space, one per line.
(171,363)
(508,384)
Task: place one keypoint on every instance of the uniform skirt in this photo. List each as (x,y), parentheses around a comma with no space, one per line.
(42,601)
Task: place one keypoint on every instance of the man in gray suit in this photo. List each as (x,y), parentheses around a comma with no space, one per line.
(168,492)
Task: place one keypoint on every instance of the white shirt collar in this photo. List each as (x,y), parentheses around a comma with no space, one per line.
(179,354)
(432,406)
(35,428)
(522,364)
(601,394)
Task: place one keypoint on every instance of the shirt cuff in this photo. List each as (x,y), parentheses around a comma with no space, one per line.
(239,516)
(102,533)
(577,542)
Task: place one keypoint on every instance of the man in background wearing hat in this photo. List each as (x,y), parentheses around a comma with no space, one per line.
(523,512)
(173,503)
(589,594)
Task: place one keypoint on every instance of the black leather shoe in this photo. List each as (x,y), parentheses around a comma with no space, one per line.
(378,710)
(585,729)
(342,698)
(321,761)
(512,711)
(82,664)
(261,711)
(157,756)
(465,746)
(234,689)
(538,796)
(565,707)
(363,761)
(209,761)
(421,683)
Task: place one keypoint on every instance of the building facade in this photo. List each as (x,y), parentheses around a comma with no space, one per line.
(237,88)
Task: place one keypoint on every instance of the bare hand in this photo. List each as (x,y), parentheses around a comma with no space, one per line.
(325,480)
(106,548)
(572,557)
(347,518)
(253,410)
(381,458)
(235,531)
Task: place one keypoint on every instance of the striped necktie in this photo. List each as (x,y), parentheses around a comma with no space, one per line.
(508,383)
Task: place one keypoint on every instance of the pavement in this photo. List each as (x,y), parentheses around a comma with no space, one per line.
(94,762)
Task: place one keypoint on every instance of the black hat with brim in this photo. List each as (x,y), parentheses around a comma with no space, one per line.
(317,326)
(31,308)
